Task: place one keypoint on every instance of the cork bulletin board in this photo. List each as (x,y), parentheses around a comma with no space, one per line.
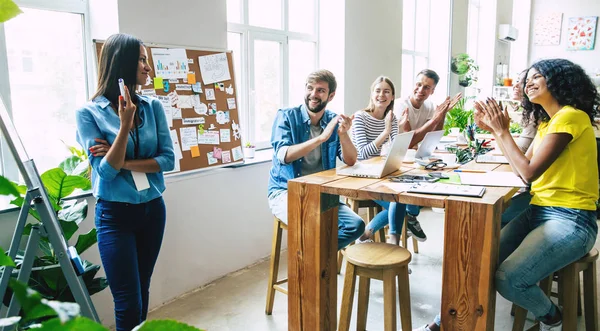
(197,90)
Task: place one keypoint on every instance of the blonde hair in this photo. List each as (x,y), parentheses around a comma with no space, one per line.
(371,107)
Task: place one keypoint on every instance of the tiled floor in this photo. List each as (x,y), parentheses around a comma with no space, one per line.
(237,302)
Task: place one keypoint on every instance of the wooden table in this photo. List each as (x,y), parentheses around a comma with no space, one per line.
(471,232)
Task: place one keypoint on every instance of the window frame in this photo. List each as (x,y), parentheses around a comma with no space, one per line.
(8,166)
(249,34)
(412,52)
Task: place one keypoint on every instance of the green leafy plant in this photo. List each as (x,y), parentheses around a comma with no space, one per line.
(8,10)
(515,128)
(249,145)
(458,117)
(466,69)
(46,276)
(48,315)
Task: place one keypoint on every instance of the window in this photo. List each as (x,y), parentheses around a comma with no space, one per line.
(46,78)
(275,45)
(415,41)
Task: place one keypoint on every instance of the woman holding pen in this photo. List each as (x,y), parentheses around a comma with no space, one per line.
(562,168)
(129,147)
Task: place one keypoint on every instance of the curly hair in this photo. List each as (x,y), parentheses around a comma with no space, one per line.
(568,83)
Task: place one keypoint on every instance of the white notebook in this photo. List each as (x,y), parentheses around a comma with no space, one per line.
(492,178)
(448,189)
(489,158)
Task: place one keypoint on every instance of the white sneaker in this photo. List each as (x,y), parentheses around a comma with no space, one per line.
(423,328)
(358,241)
(555,327)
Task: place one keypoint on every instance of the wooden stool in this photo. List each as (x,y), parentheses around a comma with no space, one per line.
(373,209)
(568,283)
(377,261)
(274,284)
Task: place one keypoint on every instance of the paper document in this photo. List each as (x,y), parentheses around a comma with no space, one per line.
(399,187)
(448,189)
(493,178)
(489,158)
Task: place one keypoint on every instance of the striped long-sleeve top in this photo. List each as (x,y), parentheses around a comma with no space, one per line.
(365,129)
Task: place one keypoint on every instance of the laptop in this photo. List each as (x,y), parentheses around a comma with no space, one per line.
(392,163)
(427,147)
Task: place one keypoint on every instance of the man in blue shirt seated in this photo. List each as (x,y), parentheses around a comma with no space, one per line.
(306,139)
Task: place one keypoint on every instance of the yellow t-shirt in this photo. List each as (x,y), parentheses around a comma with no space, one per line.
(572,180)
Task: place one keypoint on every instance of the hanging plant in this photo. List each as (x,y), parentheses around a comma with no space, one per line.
(466,69)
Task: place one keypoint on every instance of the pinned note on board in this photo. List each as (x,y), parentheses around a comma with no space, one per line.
(191,77)
(195,151)
(158,83)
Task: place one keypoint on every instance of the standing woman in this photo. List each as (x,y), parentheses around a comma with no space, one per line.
(129,147)
(559,227)
(372,127)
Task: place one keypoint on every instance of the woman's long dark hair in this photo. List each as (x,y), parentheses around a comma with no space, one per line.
(568,83)
(119,58)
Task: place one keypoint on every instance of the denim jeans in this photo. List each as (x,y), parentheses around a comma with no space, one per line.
(129,239)
(518,204)
(540,241)
(350,225)
(392,213)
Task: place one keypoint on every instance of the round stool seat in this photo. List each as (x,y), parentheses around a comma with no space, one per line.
(589,257)
(377,255)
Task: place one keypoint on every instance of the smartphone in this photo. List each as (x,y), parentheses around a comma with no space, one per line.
(413,179)
(122,87)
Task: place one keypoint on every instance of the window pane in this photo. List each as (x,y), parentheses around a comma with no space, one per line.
(473,31)
(265,13)
(422,30)
(234,11)
(408,77)
(302,16)
(234,43)
(302,63)
(47,80)
(267,87)
(420,64)
(408,25)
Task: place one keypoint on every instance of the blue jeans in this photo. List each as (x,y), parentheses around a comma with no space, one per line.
(518,204)
(540,241)
(129,239)
(350,225)
(393,214)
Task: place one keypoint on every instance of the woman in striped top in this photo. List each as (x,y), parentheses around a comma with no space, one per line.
(372,127)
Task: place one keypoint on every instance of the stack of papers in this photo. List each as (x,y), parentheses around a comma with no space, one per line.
(493,178)
(438,188)
(489,158)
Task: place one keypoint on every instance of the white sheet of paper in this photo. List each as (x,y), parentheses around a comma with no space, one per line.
(231,103)
(176,146)
(202,109)
(140,180)
(164,100)
(170,63)
(209,93)
(211,159)
(225,135)
(183,87)
(169,114)
(208,138)
(193,121)
(176,113)
(492,178)
(214,68)
(237,153)
(185,101)
(149,92)
(398,187)
(189,137)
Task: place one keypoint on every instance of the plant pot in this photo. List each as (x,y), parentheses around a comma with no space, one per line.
(464,81)
(249,152)
(455,132)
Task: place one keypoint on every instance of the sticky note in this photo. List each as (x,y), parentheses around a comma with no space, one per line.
(191,78)
(158,83)
(195,151)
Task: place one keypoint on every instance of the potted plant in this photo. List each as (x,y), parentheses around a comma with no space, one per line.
(466,69)
(457,118)
(249,150)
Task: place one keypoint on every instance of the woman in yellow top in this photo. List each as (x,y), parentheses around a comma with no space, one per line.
(559,226)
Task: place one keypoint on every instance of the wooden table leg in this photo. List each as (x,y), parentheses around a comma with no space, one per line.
(312,258)
(471,233)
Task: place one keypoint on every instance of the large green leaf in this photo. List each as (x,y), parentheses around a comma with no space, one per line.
(86,241)
(8,10)
(69,228)
(164,325)
(7,187)
(5,260)
(60,185)
(70,164)
(77,324)
(74,211)
(31,302)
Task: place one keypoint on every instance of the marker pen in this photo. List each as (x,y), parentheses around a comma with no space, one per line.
(122,87)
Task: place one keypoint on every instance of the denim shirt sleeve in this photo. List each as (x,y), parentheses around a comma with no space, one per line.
(281,136)
(87,131)
(165,154)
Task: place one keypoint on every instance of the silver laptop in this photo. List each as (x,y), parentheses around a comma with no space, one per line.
(392,163)
(427,146)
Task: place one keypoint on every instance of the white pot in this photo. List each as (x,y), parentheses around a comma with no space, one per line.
(454,131)
(249,152)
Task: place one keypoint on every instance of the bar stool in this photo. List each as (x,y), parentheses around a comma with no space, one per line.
(273,283)
(568,283)
(376,261)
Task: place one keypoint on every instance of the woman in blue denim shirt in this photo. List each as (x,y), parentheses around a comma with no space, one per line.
(129,147)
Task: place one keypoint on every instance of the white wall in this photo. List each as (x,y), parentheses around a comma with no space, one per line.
(459,19)
(574,8)
(373,47)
